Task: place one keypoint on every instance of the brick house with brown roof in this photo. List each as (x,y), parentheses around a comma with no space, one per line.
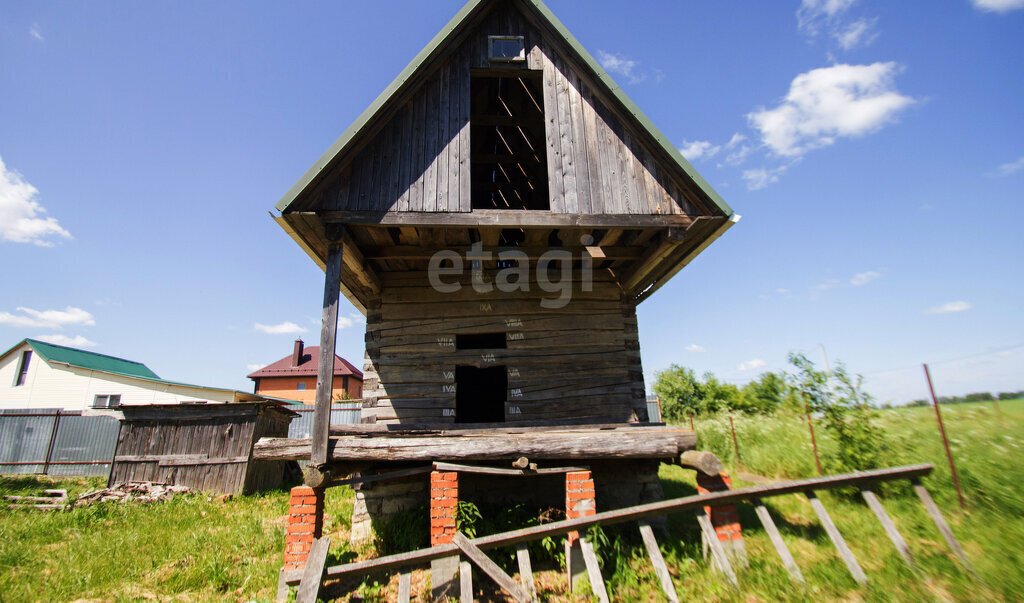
(294,377)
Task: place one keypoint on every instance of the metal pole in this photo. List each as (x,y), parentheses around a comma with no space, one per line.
(945,440)
(735,446)
(53,437)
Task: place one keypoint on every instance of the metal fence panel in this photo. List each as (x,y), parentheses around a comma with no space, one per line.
(341,414)
(83,440)
(653,411)
(24,437)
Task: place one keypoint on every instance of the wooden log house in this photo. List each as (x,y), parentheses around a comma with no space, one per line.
(497,214)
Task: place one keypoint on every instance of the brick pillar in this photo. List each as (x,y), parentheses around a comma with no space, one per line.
(444,501)
(579,498)
(305,524)
(725,518)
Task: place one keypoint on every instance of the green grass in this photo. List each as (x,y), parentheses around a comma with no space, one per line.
(197,549)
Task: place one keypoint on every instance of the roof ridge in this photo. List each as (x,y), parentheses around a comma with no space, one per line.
(64,347)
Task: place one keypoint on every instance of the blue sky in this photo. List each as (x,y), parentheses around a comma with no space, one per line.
(874,149)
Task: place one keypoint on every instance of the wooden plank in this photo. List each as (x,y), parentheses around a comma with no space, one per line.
(526,570)
(594,571)
(404,585)
(509,218)
(566,142)
(777,542)
(890,527)
(940,522)
(176,460)
(313,574)
(325,364)
(634,513)
(465,581)
(721,559)
(556,182)
(580,160)
(430,154)
(837,538)
(490,568)
(419,144)
(465,181)
(443,140)
(660,569)
(501,471)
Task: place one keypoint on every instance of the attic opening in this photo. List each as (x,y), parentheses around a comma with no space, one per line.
(508,158)
(480,394)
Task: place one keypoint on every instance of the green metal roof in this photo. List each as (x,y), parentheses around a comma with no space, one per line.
(433,48)
(90,360)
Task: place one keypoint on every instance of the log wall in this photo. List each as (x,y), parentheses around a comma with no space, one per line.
(575,362)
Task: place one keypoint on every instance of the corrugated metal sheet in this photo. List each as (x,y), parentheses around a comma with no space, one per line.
(341,414)
(81,445)
(653,411)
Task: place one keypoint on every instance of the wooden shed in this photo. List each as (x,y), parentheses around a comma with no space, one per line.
(203,446)
(497,214)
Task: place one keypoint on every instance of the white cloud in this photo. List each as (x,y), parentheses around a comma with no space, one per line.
(1009,168)
(284,328)
(750,365)
(75,342)
(864,278)
(618,64)
(695,149)
(695,348)
(828,103)
(47,319)
(254,367)
(761,177)
(357,317)
(345,322)
(812,12)
(949,307)
(19,220)
(859,33)
(831,283)
(34,32)
(997,6)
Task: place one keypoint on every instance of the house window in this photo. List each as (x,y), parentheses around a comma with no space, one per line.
(107,401)
(506,49)
(301,386)
(26,357)
(508,153)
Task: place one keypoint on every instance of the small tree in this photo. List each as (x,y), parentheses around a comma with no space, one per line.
(678,390)
(845,412)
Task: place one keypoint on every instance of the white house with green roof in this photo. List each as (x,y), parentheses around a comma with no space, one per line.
(35,374)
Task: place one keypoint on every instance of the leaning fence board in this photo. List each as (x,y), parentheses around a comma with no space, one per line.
(465,581)
(635,513)
(776,538)
(481,560)
(660,569)
(721,559)
(313,575)
(593,571)
(940,522)
(837,538)
(890,527)
(404,585)
(526,570)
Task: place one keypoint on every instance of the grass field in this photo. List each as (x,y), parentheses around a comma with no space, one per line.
(198,549)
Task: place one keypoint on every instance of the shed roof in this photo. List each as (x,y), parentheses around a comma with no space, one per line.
(459,22)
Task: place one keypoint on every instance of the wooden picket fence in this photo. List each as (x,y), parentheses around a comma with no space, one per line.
(316,580)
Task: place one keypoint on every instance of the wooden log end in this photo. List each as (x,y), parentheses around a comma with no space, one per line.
(521,463)
(316,478)
(703,461)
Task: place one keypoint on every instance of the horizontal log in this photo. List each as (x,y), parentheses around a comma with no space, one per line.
(703,461)
(500,217)
(650,443)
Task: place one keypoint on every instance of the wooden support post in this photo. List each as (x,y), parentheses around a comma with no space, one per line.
(594,571)
(313,575)
(837,538)
(890,527)
(465,581)
(776,538)
(481,560)
(721,559)
(404,585)
(660,569)
(526,570)
(940,522)
(325,367)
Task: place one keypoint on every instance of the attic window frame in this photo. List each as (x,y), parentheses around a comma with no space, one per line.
(491,57)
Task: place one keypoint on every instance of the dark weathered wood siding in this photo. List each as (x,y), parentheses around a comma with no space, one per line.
(575,362)
(416,158)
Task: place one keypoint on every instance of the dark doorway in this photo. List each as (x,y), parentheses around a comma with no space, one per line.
(480,394)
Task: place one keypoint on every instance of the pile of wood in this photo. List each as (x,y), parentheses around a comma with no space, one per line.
(131,492)
(51,499)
